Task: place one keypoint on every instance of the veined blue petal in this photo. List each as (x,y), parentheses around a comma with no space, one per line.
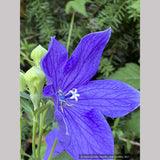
(63,138)
(89,132)
(48,91)
(53,63)
(83,63)
(50,138)
(112,97)
(82,126)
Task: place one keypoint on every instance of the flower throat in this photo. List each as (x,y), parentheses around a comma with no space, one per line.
(72,94)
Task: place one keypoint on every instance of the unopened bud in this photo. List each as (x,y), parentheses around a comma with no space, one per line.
(35,80)
(37,54)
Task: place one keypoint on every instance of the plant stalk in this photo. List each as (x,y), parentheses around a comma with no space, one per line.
(34,137)
(40,135)
(70,30)
(42,119)
(54,146)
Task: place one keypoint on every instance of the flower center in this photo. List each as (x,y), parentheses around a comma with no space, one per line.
(72,94)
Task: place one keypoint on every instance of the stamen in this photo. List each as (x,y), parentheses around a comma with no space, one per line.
(59,91)
(69,104)
(72,94)
(61,107)
(63,101)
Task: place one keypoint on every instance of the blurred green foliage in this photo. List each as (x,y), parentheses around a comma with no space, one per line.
(41,19)
(130,74)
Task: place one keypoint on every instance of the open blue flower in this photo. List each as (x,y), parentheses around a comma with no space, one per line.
(80,104)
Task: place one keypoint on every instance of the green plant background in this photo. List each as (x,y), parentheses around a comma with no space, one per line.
(41,19)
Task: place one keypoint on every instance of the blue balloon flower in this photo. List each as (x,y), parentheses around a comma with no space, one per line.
(80,104)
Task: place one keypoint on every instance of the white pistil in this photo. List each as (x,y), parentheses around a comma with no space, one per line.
(74,94)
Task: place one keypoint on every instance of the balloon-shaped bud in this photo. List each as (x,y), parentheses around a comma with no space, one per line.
(35,80)
(37,53)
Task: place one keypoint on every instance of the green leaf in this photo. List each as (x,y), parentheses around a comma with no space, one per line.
(128,145)
(133,124)
(136,5)
(115,123)
(41,109)
(117,133)
(22,121)
(43,150)
(25,154)
(54,124)
(105,67)
(78,6)
(49,118)
(130,74)
(25,95)
(27,106)
(63,155)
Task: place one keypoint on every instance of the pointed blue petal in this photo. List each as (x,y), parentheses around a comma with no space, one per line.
(112,97)
(50,138)
(48,91)
(63,136)
(84,62)
(89,132)
(53,62)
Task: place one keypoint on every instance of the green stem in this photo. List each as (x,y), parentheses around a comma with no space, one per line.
(40,136)
(35,104)
(34,137)
(54,146)
(25,154)
(70,30)
(115,123)
(111,57)
(42,118)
